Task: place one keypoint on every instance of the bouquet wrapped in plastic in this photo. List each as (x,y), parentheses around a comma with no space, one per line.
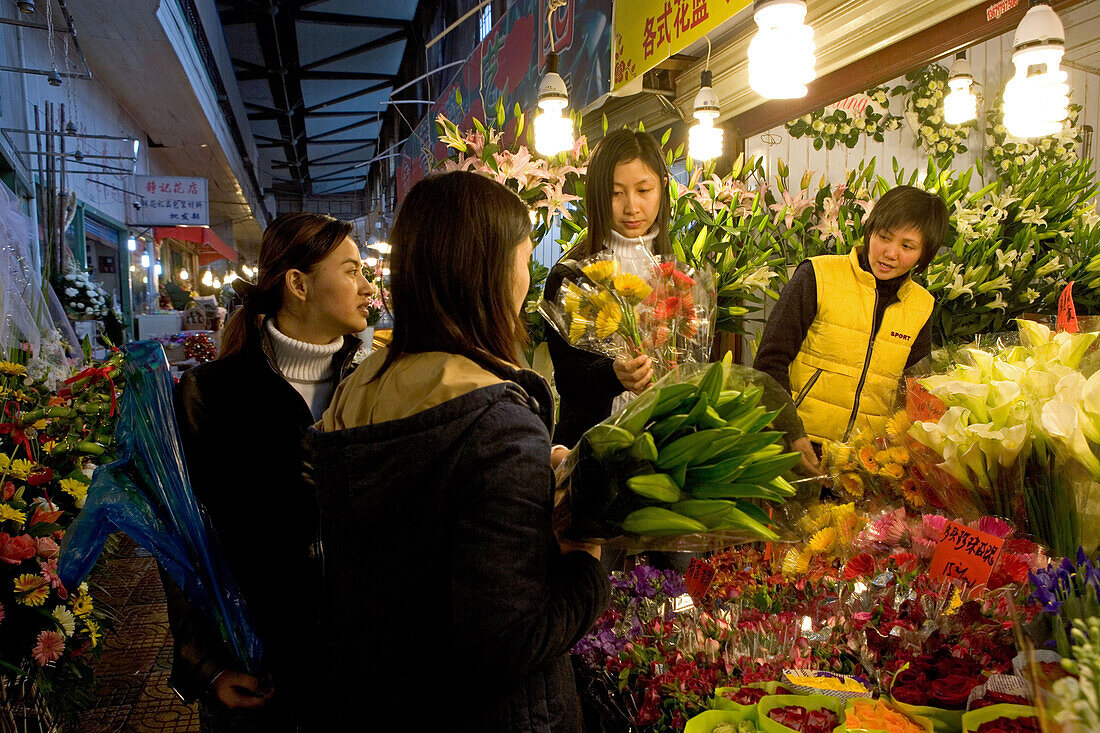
(667,313)
(689,465)
(147,494)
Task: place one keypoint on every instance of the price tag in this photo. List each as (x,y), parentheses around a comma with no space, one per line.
(1067,313)
(699,576)
(920,404)
(965,554)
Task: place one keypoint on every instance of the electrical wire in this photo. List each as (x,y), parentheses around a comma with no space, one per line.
(554,6)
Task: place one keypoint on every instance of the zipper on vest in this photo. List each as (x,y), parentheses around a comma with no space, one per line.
(866,366)
(806,388)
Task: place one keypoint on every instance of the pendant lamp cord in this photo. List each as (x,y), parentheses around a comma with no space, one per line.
(554,6)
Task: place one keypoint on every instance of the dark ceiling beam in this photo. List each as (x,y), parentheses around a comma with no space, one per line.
(278,38)
(342,178)
(352,75)
(332,175)
(346,97)
(385,40)
(345,152)
(345,128)
(352,141)
(237,16)
(310,16)
(265,109)
(275,114)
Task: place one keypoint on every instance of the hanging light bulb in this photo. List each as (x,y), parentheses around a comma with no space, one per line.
(1037,103)
(781,54)
(184,275)
(26,6)
(217,284)
(144,259)
(553,133)
(131,244)
(230,278)
(157,269)
(704,139)
(207,278)
(70,128)
(960,105)
(53,78)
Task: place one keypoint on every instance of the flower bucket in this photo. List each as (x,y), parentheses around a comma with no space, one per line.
(973,719)
(721,702)
(810,702)
(705,721)
(924,723)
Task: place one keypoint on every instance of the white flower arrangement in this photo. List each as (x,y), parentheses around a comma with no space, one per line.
(81,296)
(924,95)
(842,126)
(1006,153)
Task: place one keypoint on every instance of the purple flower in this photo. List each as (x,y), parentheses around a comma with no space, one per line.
(647,581)
(673,585)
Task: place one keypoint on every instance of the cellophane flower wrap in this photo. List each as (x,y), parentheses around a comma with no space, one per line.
(691,464)
(666,312)
(1020,431)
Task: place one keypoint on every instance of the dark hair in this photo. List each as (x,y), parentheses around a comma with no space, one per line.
(451,269)
(291,242)
(905,207)
(621,146)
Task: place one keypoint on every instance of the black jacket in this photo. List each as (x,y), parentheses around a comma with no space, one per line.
(242,426)
(585,381)
(453,607)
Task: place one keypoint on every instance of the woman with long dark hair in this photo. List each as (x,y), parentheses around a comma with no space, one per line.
(627,202)
(453,606)
(242,419)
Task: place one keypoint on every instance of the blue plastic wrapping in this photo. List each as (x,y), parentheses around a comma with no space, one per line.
(147,494)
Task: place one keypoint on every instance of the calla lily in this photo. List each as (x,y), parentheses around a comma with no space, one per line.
(1059,421)
(1005,399)
(1090,406)
(1016,439)
(982,359)
(1072,347)
(1031,333)
(973,397)
(1004,369)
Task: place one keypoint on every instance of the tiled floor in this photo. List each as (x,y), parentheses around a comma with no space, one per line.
(132,690)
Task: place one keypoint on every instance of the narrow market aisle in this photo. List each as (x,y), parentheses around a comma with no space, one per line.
(132,690)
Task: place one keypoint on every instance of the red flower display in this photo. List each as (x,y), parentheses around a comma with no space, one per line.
(14,550)
(860,566)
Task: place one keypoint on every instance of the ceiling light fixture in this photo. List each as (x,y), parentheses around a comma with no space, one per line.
(781,54)
(1036,103)
(960,105)
(704,139)
(553,132)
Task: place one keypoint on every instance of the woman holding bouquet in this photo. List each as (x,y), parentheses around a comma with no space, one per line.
(242,419)
(847,326)
(452,605)
(627,201)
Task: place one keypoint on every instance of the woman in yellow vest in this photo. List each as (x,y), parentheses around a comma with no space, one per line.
(846,327)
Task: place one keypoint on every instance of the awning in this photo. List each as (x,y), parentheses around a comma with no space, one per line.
(210,245)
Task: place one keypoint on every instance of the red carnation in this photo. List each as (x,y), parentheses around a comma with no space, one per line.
(40,475)
(859,566)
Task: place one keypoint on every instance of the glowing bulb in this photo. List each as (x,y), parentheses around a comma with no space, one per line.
(371,261)
(157,269)
(230,278)
(207,278)
(382,247)
(217,283)
(781,54)
(960,105)
(145,259)
(553,132)
(1036,103)
(704,139)
(131,244)
(184,274)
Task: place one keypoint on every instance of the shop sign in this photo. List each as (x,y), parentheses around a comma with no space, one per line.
(171,201)
(649,31)
(966,554)
(1067,312)
(856,105)
(997,9)
(508,65)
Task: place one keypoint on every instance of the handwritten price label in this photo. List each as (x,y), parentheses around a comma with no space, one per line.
(698,579)
(965,554)
(920,404)
(1067,313)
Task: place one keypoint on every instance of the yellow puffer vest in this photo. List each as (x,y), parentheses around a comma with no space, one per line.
(840,381)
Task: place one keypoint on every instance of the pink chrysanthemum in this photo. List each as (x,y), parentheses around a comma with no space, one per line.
(49,647)
(994,526)
(933,526)
(924,547)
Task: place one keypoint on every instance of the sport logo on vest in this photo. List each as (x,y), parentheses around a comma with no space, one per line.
(895,334)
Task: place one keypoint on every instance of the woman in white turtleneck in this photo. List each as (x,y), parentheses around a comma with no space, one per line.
(242,419)
(628,207)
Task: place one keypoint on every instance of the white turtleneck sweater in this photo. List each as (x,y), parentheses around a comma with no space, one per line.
(308,367)
(635,255)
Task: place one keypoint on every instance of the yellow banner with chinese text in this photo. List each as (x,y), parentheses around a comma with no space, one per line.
(649,31)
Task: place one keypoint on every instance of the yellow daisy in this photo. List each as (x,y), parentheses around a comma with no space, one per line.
(821,541)
(20,468)
(82,604)
(31,590)
(10,514)
(892,470)
(607,322)
(795,563)
(5,462)
(93,632)
(8,367)
(602,270)
(578,326)
(898,424)
(852,483)
(74,488)
(882,457)
(899,454)
(570,303)
(631,287)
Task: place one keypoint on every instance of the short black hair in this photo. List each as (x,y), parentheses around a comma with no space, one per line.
(908,207)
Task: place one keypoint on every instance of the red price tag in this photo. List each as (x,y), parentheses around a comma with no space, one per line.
(920,404)
(965,554)
(1067,314)
(699,576)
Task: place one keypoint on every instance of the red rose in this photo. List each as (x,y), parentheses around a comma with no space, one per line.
(951,692)
(910,694)
(14,550)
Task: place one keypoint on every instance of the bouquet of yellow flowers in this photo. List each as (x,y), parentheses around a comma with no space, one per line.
(666,313)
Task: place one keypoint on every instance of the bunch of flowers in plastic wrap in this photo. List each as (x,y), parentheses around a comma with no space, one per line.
(829,532)
(666,313)
(82,297)
(200,347)
(1020,433)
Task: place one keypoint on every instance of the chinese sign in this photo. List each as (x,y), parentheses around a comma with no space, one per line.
(1067,313)
(966,554)
(649,31)
(508,66)
(171,201)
